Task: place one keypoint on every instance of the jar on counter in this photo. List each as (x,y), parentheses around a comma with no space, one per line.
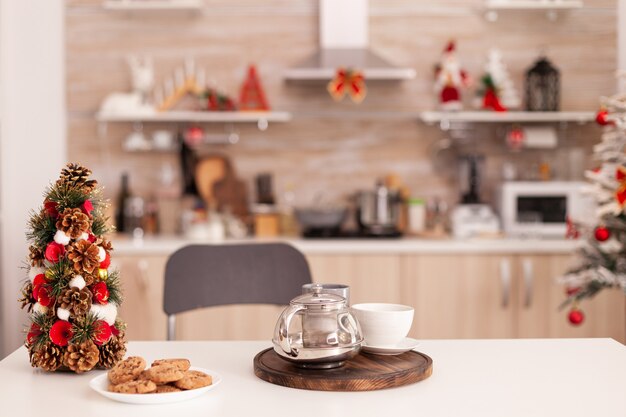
(417,215)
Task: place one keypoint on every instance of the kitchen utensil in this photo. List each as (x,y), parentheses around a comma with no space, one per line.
(378,211)
(264,192)
(317,331)
(208,172)
(383,324)
(363,373)
(321,218)
(162,139)
(101,383)
(337,289)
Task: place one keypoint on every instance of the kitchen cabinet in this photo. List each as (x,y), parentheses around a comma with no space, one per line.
(455,295)
(459,296)
(504,296)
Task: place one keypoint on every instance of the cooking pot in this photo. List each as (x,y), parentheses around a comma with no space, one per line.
(378,211)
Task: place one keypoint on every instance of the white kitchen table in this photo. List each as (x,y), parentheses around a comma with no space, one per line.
(500,378)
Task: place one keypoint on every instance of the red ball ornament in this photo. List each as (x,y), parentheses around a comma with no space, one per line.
(54,251)
(114,330)
(33,333)
(51,208)
(39,279)
(87,207)
(601,233)
(61,333)
(107,261)
(101,332)
(100,292)
(92,238)
(602,117)
(576,317)
(43,296)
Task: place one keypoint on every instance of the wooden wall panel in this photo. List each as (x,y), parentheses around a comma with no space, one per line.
(334,147)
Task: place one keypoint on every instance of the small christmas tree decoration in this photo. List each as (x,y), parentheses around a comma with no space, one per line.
(601,263)
(73,311)
(347,81)
(252,95)
(450,79)
(497,92)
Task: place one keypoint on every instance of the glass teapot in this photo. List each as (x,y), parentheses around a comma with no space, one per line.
(317,330)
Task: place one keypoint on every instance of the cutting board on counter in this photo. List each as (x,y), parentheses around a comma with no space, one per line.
(365,372)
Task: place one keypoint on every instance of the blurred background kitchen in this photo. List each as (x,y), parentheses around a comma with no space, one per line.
(209,120)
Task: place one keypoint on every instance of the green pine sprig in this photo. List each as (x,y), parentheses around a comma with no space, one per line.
(114,286)
(84,328)
(59,276)
(45,322)
(100,226)
(41,229)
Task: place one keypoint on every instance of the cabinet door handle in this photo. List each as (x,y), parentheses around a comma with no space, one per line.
(505,278)
(142,266)
(527,268)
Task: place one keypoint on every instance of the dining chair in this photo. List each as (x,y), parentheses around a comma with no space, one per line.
(199,276)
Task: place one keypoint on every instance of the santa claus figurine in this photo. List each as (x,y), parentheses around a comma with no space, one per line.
(449,79)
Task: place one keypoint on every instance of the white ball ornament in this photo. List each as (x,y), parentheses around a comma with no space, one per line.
(38,308)
(83,236)
(63,314)
(102,254)
(34,271)
(110,313)
(61,238)
(78,282)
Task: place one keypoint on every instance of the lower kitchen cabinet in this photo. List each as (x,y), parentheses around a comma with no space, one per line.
(501,296)
(459,296)
(455,296)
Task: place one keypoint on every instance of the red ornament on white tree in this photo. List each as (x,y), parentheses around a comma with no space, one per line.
(602,234)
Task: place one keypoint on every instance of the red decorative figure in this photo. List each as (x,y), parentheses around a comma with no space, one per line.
(252,96)
(347,81)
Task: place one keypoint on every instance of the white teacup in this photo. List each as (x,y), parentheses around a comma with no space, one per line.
(382,324)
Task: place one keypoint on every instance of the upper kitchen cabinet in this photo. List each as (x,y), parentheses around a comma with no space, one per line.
(493,8)
(447,120)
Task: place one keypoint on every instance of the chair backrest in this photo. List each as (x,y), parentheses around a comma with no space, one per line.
(198,276)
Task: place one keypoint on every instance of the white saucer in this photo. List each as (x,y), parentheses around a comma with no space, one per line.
(100,385)
(404,346)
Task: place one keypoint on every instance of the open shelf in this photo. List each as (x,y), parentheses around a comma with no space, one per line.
(533,4)
(198,117)
(153,5)
(432,117)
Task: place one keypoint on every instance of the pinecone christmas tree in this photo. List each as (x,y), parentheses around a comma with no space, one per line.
(71,295)
(602,258)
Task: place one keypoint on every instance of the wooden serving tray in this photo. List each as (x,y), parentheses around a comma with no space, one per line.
(365,372)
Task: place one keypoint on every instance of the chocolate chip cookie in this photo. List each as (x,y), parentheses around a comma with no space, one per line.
(182,364)
(127,370)
(164,373)
(134,387)
(193,380)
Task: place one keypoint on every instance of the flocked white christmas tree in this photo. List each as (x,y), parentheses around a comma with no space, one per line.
(602,259)
(500,75)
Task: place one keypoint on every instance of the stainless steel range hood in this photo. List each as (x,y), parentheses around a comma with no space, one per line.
(344,43)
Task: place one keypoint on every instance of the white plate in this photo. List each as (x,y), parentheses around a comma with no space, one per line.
(404,346)
(100,384)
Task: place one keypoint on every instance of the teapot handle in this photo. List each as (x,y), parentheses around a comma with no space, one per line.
(283,331)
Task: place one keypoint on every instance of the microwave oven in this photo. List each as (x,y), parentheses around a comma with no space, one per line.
(541,209)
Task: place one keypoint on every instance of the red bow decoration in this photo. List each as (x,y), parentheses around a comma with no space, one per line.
(347,81)
(620,193)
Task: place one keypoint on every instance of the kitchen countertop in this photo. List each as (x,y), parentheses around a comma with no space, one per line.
(513,378)
(125,246)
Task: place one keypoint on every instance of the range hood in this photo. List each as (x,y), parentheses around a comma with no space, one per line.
(344,43)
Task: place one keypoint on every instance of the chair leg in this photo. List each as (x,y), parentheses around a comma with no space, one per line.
(171,327)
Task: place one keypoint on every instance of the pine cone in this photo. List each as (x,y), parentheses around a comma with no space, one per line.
(84,255)
(81,357)
(78,302)
(48,357)
(76,175)
(35,256)
(105,244)
(73,222)
(112,352)
(27,296)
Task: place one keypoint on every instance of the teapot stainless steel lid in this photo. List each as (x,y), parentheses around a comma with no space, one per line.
(319,300)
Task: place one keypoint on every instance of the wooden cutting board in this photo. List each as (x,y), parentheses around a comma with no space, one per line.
(365,372)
